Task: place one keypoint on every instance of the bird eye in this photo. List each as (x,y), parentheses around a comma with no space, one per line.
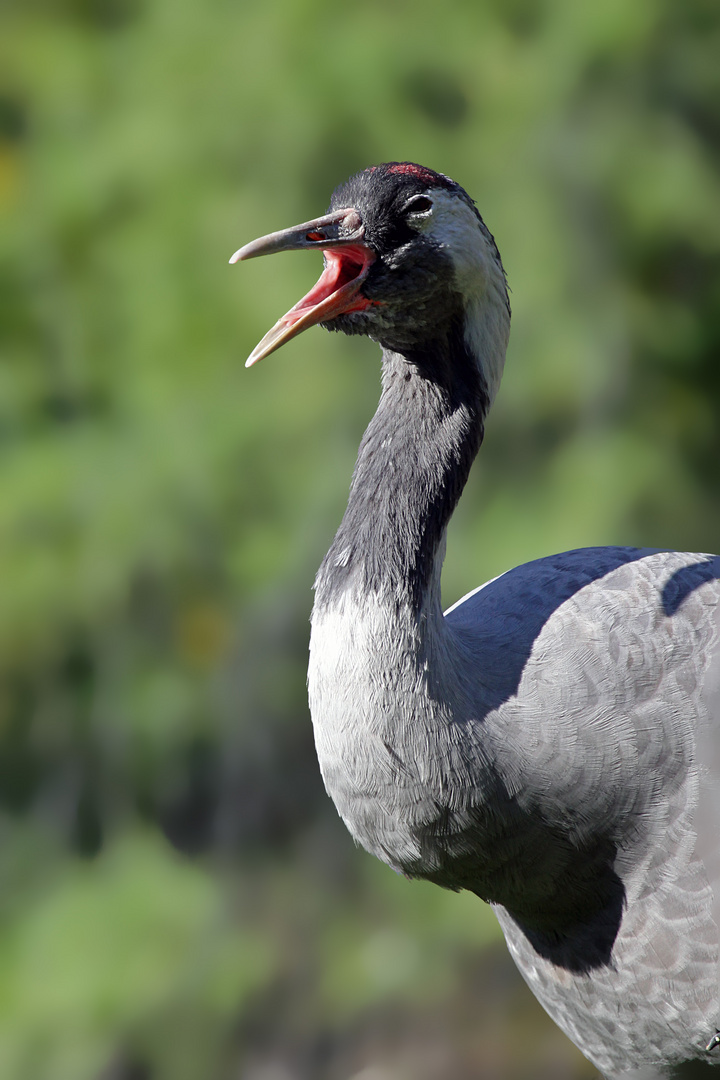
(419,205)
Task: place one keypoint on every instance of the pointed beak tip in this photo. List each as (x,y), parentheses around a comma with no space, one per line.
(257,354)
(236,257)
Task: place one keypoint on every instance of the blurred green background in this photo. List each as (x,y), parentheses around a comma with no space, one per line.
(177,898)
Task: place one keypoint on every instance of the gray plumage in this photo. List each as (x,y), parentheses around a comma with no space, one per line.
(552,742)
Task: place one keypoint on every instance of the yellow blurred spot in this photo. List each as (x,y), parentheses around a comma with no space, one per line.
(203,633)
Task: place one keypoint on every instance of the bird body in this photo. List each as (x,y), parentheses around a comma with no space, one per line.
(552,742)
(548,777)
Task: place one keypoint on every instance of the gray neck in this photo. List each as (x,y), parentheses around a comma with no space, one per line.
(412,465)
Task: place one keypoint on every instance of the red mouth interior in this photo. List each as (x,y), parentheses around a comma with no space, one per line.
(337,289)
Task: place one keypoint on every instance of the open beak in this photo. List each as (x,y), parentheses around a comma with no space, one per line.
(348,258)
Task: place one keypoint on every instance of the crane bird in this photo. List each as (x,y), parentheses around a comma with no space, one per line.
(552,742)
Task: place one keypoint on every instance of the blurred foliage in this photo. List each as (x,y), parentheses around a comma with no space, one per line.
(178,900)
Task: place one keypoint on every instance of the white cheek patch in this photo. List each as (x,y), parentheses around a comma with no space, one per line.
(454,226)
(479,278)
(487,330)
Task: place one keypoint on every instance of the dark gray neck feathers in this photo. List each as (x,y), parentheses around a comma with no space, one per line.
(412,465)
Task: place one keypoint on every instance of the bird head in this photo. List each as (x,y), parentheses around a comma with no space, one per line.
(406,257)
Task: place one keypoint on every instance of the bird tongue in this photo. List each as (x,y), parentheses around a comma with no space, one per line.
(336,292)
(348,258)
